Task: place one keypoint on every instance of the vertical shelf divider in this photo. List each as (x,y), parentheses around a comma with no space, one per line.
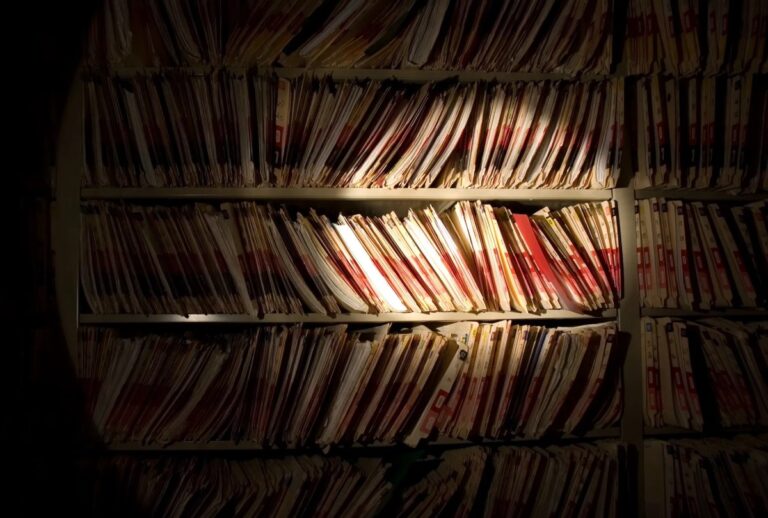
(629,322)
(65,213)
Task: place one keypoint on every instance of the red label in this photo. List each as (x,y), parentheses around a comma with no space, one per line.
(434,412)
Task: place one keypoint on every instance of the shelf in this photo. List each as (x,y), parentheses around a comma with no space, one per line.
(326,193)
(136,70)
(611,433)
(685,432)
(671,430)
(699,195)
(687,313)
(350,318)
(416,75)
(413,75)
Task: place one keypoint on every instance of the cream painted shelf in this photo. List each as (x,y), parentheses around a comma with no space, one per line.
(686,313)
(668,431)
(610,433)
(421,75)
(338,194)
(412,75)
(346,318)
(699,195)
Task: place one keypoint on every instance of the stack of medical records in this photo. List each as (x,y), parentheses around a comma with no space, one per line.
(245,258)
(279,387)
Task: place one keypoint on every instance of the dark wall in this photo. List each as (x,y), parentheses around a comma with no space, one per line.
(41,419)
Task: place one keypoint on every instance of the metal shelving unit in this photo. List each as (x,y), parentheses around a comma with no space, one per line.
(343,318)
(66,230)
(700,195)
(411,75)
(708,313)
(611,433)
(673,431)
(67,223)
(338,194)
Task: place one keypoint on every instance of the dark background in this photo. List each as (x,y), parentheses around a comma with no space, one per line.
(40,419)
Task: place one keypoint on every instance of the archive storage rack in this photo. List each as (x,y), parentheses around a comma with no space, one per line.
(66,228)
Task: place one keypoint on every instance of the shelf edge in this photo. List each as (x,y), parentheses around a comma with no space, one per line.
(734,312)
(416,75)
(667,431)
(612,433)
(352,318)
(329,193)
(699,195)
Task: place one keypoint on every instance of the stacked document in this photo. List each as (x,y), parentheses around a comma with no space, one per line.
(451,489)
(216,486)
(693,255)
(246,258)
(707,477)
(569,480)
(682,37)
(171,130)
(572,480)
(384,134)
(704,375)
(531,381)
(563,37)
(326,386)
(234,129)
(703,133)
